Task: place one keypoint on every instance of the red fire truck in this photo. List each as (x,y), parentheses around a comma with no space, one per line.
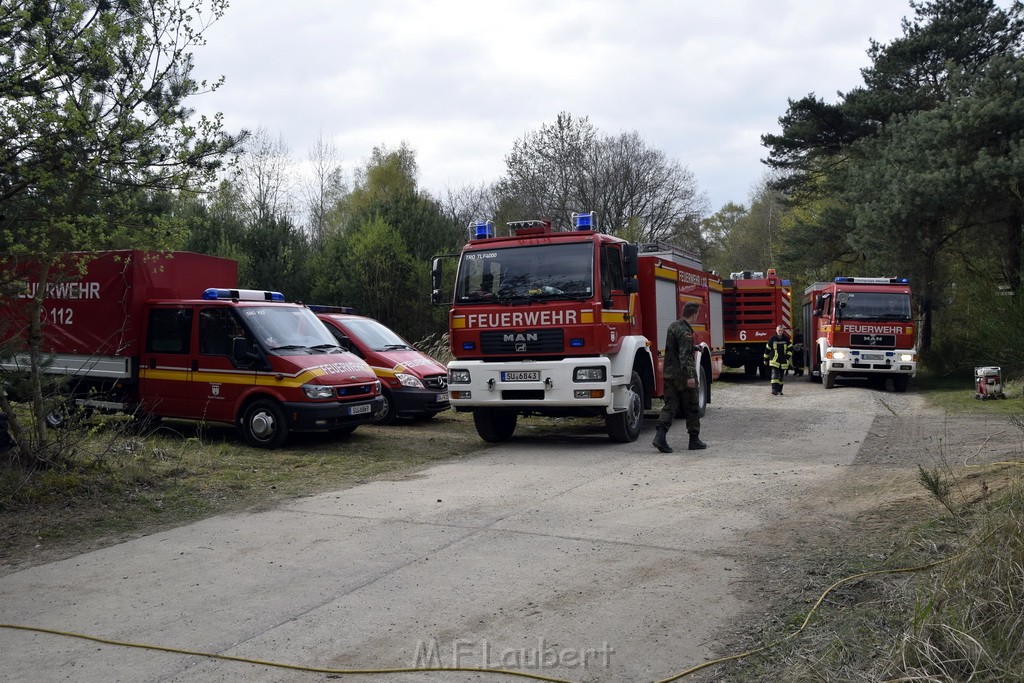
(145,333)
(753,305)
(860,327)
(570,323)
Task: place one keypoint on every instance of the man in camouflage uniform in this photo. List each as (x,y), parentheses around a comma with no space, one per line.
(681,384)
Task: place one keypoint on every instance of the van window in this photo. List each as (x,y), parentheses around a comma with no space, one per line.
(169,330)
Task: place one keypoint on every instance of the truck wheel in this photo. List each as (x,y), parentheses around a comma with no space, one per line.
(900,382)
(704,393)
(387,413)
(828,379)
(263,424)
(57,418)
(494,425)
(625,427)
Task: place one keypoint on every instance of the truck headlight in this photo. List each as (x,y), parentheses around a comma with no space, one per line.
(838,355)
(458,377)
(588,375)
(906,357)
(408,380)
(318,391)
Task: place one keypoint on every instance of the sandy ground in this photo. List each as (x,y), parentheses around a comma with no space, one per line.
(568,557)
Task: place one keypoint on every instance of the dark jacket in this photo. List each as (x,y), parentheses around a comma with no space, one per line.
(680,364)
(777,351)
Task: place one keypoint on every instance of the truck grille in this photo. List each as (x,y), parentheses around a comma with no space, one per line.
(873,341)
(355,390)
(510,343)
(436,382)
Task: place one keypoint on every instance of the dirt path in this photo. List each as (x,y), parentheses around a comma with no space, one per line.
(566,556)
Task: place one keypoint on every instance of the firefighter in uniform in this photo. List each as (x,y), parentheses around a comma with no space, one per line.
(681,387)
(777,354)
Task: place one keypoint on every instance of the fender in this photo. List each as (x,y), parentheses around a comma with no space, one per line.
(622,362)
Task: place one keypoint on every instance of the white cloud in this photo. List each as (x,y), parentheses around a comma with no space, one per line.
(461,81)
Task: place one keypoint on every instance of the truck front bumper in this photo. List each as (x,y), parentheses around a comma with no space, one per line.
(332,415)
(859,362)
(537,385)
(410,401)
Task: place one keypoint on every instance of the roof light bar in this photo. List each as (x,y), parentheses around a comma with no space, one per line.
(584,221)
(872,280)
(214,294)
(481,230)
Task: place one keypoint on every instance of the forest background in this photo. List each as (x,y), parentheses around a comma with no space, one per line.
(916,173)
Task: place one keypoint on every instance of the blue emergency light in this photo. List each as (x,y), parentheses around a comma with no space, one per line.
(213,294)
(481,230)
(584,221)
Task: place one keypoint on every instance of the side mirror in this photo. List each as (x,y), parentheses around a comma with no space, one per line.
(630,261)
(240,352)
(344,342)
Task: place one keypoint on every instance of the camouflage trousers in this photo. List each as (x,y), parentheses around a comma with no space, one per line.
(680,400)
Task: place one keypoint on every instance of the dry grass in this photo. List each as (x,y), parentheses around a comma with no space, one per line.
(114,484)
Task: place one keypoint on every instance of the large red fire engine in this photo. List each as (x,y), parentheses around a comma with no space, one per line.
(753,305)
(570,323)
(860,327)
(145,333)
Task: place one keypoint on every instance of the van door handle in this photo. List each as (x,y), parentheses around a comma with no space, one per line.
(195,366)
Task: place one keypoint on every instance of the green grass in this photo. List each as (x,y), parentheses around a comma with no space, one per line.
(956,394)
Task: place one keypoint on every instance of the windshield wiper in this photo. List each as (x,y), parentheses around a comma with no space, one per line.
(290,347)
(324,347)
(395,347)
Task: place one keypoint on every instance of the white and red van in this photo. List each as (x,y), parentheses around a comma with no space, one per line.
(413,383)
(146,333)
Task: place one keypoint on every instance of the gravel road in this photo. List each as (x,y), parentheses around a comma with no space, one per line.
(569,557)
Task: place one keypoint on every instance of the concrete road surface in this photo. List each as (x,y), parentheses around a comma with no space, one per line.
(570,557)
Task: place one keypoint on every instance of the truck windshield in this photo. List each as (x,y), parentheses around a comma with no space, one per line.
(874,306)
(547,271)
(288,328)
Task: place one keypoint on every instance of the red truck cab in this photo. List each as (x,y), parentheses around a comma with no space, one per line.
(413,383)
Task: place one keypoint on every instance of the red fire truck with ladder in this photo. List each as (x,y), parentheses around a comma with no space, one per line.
(570,323)
(753,305)
(860,327)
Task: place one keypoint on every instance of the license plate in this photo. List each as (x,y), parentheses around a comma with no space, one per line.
(359,410)
(521,376)
(442,397)
(872,356)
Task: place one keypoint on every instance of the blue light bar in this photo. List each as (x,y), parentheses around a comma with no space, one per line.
(873,280)
(481,230)
(214,294)
(584,221)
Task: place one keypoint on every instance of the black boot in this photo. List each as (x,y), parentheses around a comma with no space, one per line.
(659,440)
(695,443)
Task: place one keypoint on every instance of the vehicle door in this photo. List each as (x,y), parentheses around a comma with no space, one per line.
(219,378)
(165,370)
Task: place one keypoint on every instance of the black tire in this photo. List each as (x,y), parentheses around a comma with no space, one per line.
(900,382)
(704,391)
(625,427)
(828,379)
(387,413)
(494,425)
(263,424)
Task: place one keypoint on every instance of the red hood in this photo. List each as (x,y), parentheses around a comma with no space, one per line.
(409,361)
(331,368)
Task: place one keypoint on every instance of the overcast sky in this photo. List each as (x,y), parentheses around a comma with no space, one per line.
(461,81)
